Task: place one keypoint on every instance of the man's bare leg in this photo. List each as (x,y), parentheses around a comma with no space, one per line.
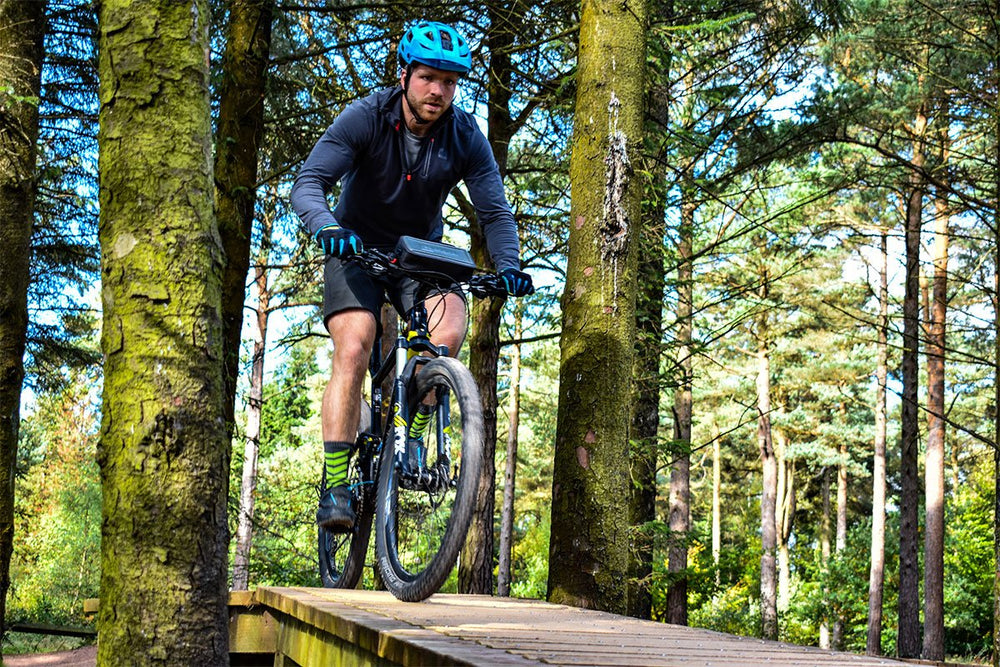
(447,321)
(353,333)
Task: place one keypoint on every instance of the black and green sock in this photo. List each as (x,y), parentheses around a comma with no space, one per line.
(336,458)
(420,421)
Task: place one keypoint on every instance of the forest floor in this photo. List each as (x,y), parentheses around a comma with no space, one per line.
(81,657)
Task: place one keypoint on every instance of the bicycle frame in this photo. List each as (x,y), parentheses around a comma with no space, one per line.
(408,354)
(440,485)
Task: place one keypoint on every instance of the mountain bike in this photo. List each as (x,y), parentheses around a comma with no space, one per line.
(420,494)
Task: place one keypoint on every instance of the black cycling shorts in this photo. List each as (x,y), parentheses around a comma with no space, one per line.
(346,285)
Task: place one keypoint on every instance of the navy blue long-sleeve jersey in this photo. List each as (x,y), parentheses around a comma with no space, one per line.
(383,196)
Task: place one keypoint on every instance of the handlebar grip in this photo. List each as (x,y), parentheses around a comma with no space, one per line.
(485,285)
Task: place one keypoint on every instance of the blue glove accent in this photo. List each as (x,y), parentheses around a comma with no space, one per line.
(338,242)
(518,283)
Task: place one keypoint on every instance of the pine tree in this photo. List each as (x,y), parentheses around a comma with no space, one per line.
(238,139)
(588,552)
(163,450)
(22,27)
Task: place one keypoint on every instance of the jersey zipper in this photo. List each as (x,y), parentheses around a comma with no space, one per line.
(407,172)
(428,150)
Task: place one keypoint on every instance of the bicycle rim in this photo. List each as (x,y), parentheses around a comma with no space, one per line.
(421,527)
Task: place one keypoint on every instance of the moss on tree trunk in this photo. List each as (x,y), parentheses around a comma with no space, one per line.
(588,559)
(163,448)
(22,26)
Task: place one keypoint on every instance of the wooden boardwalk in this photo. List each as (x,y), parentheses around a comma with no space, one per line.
(309,626)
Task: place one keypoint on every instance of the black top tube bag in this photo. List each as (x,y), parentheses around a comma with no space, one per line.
(445,262)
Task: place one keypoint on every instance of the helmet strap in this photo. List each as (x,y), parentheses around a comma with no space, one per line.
(406,99)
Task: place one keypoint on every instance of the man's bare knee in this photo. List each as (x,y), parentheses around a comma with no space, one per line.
(352,333)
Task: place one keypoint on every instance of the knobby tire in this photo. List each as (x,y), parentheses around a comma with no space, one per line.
(412,584)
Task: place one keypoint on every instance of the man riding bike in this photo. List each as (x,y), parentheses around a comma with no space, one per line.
(397,155)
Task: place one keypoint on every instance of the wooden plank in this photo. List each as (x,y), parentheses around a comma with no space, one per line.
(252,630)
(56,630)
(481,630)
(384,638)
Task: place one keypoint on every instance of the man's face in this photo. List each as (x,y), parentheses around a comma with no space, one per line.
(430,93)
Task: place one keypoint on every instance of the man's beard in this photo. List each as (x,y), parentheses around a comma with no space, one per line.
(420,120)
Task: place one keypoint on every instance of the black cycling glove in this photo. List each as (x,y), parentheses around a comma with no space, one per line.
(337,241)
(518,283)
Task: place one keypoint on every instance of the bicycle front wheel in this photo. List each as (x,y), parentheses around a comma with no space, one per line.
(422,519)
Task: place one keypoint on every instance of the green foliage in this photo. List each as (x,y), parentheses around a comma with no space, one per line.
(735,610)
(284,538)
(529,569)
(968,568)
(58,502)
(536,433)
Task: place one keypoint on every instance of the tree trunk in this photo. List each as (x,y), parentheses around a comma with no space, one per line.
(164,447)
(646,410)
(680,473)
(769,477)
(785,515)
(996,364)
(649,348)
(837,641)
(824,555)
(996,355)
(240,130)
(475,571)
(716,504)
(908,640)
(934,487)
(510,470)
(588,555)
(22,28)
(251,447)
(876,578)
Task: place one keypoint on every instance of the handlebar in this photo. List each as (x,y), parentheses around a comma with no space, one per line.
(381,263)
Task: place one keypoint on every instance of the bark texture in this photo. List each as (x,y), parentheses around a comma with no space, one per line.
(22,27)
(716,504)
(475,572)
(784,516)
(510,468)
(680,470)
(769,482)
(876,576)
(163,450)
(837,641)
(240,131)
(824,550)
(908,641)
(934,491)
(996,371)
(251,445)
(646,411)
(588,555)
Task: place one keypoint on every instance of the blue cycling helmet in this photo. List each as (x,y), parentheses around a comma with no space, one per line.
(436,45)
